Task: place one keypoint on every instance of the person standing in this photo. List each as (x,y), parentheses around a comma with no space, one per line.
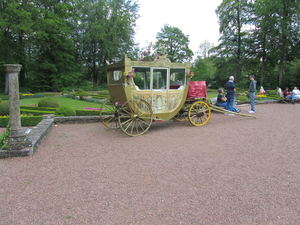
(252,89)
(230,87)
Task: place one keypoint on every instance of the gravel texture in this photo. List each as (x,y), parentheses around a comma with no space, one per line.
(233,170)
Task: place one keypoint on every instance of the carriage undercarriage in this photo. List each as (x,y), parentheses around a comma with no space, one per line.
(135,116)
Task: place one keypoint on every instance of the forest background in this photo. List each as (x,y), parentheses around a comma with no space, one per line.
(66,44)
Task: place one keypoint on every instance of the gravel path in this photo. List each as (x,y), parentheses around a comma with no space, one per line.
(233,170)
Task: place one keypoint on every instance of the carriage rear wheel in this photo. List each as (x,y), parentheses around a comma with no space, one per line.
(135,117)
(182,115)
(109,114)
(199,113)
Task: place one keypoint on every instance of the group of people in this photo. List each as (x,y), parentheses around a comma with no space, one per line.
(292,95)
(228,101)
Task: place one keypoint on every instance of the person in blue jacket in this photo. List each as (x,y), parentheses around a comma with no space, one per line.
(230,87)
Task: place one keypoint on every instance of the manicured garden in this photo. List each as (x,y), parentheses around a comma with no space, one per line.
(80,103)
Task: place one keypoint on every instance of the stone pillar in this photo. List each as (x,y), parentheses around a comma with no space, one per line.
(17,140)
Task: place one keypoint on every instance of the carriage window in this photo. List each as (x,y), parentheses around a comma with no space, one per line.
(142,78)
(177,78)
(116,75)
(159,78)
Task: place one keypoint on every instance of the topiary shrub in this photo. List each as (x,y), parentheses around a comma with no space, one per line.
(48,102)
(4,108)
(65,92)
(65,111)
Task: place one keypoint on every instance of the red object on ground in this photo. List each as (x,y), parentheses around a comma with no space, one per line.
(197,89)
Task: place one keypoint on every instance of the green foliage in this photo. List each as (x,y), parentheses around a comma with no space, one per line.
(264,48)
(105,34)
(65,111)
(48,102)
(65,92)
(4,108)
(203,69)
(74,104)
(3,137)
(273,93)
(36,112)
(30,120)
(35,108)
(242,98)
(25,120)
(4,97)
(175,42)
(87,112)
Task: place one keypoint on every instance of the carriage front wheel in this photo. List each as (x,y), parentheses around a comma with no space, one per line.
(199,113)
(135,117)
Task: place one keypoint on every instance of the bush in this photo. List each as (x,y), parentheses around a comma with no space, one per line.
(33,108)
(65,92)
(65,111)
(25,120)
(30,120)
(36,112)
(48,102)
(80,112)
(242,98)
(273,93)
(4,108)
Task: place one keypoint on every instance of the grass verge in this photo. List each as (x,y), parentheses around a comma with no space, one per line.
(74,104)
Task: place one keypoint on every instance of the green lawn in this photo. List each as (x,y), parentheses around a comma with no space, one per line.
(212,95)
(74,104)
(77,104)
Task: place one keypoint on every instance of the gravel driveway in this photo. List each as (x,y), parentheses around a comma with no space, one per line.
(233,170)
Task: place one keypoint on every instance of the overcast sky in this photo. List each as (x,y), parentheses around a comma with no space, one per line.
(196,18)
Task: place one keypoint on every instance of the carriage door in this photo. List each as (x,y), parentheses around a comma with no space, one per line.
(160,86)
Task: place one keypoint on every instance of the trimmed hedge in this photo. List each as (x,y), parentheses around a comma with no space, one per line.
(38,108)
(80,112)
(35,112)
(25,120)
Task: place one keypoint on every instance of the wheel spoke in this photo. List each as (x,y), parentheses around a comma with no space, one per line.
(138,117)
(199,113)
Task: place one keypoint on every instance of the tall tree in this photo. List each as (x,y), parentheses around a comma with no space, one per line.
(278,30)
(175,42)
(234,16)
(54,64)
(15,31)
(106,33)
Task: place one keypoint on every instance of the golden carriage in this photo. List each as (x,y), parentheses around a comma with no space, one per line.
(143,92)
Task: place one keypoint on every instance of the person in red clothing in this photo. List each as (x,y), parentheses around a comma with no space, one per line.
(286,92)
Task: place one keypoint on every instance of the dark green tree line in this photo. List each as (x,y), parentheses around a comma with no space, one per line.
(64,43)
(258,37)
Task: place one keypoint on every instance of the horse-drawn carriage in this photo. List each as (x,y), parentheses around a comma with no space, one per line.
(143,92)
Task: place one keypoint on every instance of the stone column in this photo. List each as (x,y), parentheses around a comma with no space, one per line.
(17,140)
